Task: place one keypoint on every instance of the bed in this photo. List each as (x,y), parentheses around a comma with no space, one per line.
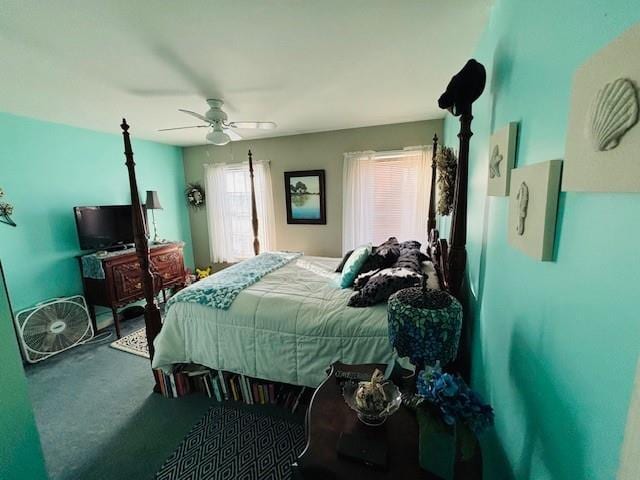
(288,327)
(294,322)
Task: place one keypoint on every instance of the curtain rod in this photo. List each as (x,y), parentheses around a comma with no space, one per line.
(389,153)
(236,163)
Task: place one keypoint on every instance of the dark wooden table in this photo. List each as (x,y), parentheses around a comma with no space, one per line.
(328,416)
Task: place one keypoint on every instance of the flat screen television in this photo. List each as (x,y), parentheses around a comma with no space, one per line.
(106,226)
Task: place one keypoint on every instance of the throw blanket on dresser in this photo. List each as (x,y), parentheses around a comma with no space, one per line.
(220,289)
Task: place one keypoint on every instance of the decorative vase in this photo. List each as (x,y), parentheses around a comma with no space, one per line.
(424,325)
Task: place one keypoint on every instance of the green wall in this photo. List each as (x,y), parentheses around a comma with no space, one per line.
(20,452)
(555,344)
(46,169)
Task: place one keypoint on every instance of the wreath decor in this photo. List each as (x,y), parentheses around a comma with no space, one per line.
(447,164)
(195,195)
(6,210)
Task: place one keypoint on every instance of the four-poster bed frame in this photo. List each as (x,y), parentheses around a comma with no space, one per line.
(449,263)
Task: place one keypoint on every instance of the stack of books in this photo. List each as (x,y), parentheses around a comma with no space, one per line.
(188,378)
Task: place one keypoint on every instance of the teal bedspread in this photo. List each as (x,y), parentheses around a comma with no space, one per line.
(220,289)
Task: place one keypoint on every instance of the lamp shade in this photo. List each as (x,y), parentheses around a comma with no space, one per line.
(425,325)
(218,137)
(153,202)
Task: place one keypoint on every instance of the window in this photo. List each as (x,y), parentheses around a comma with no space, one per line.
(385,194)
(229,210)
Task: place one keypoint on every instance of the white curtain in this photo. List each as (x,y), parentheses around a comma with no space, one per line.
(385,194)
(228,193)
(264,206)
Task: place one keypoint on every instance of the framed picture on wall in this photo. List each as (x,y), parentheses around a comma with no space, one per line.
(305,196)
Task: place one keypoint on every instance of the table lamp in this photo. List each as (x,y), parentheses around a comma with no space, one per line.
(153,203)
(425,325)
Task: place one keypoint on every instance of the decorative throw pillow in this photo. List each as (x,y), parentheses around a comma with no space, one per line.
(353,265)
(410,244)
(344,260)
(410,258)
(362,279)
(383,284)
(384,256)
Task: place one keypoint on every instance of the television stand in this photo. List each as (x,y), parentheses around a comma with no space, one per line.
(115,280)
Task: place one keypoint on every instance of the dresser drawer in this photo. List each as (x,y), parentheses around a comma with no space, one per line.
(127,281)
(169,266)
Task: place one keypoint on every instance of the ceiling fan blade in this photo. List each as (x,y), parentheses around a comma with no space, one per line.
(232,135)
(194,114)
(182,128)
(260,125)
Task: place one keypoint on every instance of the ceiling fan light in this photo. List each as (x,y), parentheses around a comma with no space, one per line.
(218,137)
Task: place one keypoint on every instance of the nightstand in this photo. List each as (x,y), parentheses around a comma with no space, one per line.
(328,416)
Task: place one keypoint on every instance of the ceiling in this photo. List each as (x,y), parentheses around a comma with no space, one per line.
(308,65)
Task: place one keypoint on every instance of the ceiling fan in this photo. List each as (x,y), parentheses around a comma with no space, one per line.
(222,130)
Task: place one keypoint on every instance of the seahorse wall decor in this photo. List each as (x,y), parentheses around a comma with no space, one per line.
(494,162)
(523,202)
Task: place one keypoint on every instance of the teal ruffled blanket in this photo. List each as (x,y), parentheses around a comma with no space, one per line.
(220,289)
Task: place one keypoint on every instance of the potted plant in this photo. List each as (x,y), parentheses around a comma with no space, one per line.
(450,414)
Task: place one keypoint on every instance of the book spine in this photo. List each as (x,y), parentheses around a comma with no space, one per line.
(234,390)
(223,384)
(263,394)
(297,402)
(206,386)
(279,390)
(247,388)
(256,394)
(272,397)
(178,381)
(243,389)
(174,391)
(216,388)
(238,383)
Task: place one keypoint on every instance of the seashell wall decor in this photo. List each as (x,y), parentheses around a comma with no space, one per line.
(603,134)
(613,112)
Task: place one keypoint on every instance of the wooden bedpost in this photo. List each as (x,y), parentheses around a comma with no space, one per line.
(458,233)
(254,210)
(431,223)
(152,319)
(463,89)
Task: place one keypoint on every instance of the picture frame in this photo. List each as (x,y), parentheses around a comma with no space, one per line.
(305,197)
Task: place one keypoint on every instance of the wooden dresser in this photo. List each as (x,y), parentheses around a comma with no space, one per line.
(121,282)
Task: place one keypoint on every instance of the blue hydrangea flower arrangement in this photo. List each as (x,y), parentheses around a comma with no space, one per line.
(454,399)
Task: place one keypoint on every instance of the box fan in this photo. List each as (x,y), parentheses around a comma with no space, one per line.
(53,326)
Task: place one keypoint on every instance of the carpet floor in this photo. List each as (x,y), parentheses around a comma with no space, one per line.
(98,418)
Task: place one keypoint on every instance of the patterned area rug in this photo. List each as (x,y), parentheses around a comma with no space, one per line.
(135,343)
(229,444)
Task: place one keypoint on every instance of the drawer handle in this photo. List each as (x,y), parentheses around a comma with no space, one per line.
(138,286)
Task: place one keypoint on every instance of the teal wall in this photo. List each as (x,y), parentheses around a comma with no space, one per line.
(20,452)
(555,344)
(46,169)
